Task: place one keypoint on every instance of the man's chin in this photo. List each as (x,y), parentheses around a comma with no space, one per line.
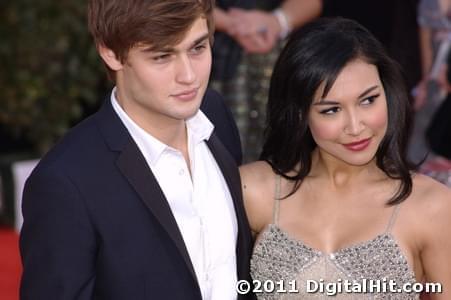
(191,114)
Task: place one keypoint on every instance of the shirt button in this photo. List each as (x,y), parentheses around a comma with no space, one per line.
(181,172)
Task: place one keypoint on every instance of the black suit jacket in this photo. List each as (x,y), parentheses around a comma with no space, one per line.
(97,225)
(225,127)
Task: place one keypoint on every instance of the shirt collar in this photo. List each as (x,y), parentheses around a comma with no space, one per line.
(199,128)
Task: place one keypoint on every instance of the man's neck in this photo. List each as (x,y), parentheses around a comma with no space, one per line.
(169,131)
(172,133)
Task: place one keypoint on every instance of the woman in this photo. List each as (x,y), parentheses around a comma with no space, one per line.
(333,197)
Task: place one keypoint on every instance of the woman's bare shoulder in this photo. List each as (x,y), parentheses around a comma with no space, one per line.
(258,181)
(258,172)
(429,192)
(432,201)
(432,206)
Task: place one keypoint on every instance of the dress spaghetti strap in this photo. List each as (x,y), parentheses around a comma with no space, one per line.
(392,220)
(275,216)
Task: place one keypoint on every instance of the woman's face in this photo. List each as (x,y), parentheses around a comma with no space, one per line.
(349,123)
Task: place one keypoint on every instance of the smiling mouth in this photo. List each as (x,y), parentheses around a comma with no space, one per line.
(359,145)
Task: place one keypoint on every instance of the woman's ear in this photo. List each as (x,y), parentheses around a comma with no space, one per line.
(110,58)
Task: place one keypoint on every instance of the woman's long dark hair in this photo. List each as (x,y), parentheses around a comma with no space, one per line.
(316,54)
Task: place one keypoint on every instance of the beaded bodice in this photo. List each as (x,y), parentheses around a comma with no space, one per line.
(279,257)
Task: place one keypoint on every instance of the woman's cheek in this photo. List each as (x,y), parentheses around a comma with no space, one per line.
(378,120)
(325,130)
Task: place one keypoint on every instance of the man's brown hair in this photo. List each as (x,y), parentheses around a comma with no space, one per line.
(122,24)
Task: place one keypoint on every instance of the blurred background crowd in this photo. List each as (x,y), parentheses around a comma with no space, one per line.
(51,76)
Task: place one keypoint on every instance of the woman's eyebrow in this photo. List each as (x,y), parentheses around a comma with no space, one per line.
(330,102)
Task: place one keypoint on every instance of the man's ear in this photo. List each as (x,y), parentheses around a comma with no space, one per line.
(110,58)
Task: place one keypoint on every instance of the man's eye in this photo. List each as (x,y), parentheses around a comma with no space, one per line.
(161,57)
(199,48)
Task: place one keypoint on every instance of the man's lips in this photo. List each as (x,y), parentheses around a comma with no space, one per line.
(359,145)
(186,95)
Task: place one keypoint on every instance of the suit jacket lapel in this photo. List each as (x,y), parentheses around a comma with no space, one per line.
(232,177)
(227,166)
(134,167)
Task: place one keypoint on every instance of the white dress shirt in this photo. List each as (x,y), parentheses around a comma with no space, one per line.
(200,202)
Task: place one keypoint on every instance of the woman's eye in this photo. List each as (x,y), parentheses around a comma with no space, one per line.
(330,111)
(369,100)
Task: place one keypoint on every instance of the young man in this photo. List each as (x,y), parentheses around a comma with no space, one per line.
(142,200)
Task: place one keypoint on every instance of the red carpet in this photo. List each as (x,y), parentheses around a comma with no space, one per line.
(10,266)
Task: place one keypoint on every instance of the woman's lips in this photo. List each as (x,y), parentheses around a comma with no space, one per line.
(359,145)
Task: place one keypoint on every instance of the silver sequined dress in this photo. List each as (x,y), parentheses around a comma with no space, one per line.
(289,265)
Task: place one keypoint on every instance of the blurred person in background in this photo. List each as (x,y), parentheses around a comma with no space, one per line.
(438,132)
(434,19)
(248,38)
(393,23)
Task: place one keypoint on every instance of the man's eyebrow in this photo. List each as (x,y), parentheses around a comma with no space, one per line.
(330,102)
(156,49)
(200,39)
(171,49)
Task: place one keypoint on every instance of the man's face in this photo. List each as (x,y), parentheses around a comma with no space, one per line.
(166,86)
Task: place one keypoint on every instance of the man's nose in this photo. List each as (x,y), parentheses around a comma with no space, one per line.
(185,71)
